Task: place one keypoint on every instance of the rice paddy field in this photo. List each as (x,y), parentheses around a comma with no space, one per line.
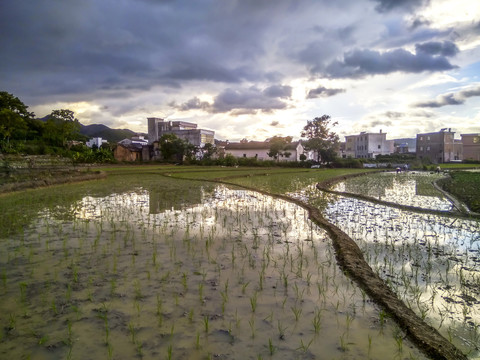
(162,263)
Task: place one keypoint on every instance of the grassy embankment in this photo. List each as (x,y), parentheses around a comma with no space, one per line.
(465,186)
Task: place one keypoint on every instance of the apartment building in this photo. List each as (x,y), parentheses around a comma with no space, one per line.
(438,147)
(157,127)
(471,146)
(368,145)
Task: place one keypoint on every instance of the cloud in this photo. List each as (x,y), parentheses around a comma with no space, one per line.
(278,91)
(241,101)
(446,48)
(389,5)
(274,123)
(192,104)
(361,63)
(323,92)
(458,98)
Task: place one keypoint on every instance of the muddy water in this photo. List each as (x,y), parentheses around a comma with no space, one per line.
(226,274)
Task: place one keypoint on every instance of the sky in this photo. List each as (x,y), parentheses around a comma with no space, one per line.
(248,68)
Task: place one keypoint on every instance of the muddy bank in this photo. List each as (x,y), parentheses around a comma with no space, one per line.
(54,178)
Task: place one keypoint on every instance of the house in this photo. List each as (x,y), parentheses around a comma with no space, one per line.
(438,147)
(260,150)
(471,146)
(188,131)
(96,141)
(405,145)
(128,152)
(368,145)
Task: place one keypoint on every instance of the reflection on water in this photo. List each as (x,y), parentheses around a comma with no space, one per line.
(410,188)
(432,262)
(236,275)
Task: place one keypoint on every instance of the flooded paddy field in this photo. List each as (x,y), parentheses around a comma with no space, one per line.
(432,262)
(156,267)
(412,188)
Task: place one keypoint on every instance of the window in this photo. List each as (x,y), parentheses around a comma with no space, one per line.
(379,146)
(428,137)
(421,148)
(421,138)
(428,148)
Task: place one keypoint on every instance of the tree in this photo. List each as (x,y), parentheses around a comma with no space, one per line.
(61,126)
(172,147)
(12,125)
(279,147)
(13,103)
(208,151)
(13,117)
(321,139)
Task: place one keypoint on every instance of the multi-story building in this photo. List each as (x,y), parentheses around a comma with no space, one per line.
(368,145)
(438,147)
(471,146)
(157,127)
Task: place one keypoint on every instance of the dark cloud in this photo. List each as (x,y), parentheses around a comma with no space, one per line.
(446,48)
(249,99)
(278,91)
(389,5)
(323,92)
(192,104)
(241,101)
(274,123)
(443,100)
(450,99)
(375,123)
(419,22)
(361,63)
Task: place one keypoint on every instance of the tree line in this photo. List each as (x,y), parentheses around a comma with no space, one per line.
(59,133)
(56,134)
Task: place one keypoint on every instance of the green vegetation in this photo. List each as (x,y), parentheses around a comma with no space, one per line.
(465,186)
(56,134)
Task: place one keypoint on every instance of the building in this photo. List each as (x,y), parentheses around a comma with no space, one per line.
(368,145)
(140,139)
(96,141)
(260,150)
(438,147)
(129,152)
(405,145)
(471,146)
(158,127)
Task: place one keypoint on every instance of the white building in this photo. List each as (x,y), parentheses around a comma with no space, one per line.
(260,150)
(97,141)
(368,145)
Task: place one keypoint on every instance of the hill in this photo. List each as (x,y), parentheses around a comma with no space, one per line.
(103,131)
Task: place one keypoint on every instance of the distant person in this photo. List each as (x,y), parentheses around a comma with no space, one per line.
(405,167)
(438,170)
(398,169)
